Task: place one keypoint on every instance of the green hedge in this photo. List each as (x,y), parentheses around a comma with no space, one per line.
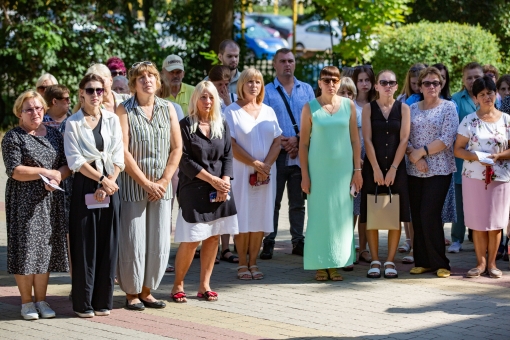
(449,43)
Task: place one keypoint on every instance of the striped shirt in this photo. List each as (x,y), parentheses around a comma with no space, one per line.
(149,144)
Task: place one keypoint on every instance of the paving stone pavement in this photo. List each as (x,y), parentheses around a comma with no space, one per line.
(287,304)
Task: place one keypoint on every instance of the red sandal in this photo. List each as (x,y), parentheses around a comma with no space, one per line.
(207,295)
(177,296)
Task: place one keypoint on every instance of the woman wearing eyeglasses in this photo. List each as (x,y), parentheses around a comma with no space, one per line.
(95,153)
(36,227)
(386,124)
(484,134)
(152,149)
(434,124)
(327,158)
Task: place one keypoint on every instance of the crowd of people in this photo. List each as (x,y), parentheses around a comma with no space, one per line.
(91,187)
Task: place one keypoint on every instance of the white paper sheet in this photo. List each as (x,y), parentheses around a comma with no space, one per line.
(483,157)
(47,181)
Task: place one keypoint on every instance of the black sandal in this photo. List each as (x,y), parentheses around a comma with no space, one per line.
(230,259)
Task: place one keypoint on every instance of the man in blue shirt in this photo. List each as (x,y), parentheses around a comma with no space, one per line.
(296,94)
(466,105)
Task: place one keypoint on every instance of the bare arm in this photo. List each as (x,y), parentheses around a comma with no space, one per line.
(357,179)
(366,128)
(405,128)
(304,144)
(244,157)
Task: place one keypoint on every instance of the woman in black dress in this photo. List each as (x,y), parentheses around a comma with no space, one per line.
(386,125)
(36,228)
(95,153)
(207,203)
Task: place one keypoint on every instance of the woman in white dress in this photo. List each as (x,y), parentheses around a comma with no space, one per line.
(256,144)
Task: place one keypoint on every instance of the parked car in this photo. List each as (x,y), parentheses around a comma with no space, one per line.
(280,23)
(259,42)
(316,35)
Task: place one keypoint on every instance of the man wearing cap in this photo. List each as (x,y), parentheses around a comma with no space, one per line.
(173,72)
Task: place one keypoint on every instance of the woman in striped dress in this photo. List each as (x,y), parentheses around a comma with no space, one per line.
(152,150)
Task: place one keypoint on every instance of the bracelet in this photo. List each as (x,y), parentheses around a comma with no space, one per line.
(426,149)
(101,179)
(357,169)
(394,167)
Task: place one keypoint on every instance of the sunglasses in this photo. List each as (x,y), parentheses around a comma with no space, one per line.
(385,83)
(431,83)
(42,88)
(148,63)
(327,81)
(90,91)
(118,73)
(66,99)
(33,110)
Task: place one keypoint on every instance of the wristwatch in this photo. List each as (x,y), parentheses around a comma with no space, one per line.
(101,179)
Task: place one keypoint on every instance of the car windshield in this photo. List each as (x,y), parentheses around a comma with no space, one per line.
(283,21)
(257,31)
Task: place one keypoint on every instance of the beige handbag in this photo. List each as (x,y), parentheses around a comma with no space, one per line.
(383,211)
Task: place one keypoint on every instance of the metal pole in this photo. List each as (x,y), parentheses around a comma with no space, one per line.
(275,7)
(243,26)
(294,20)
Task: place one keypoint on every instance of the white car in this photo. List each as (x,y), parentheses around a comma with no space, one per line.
(316,35)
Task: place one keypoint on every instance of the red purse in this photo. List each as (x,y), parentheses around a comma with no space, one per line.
(489,172)
(253,180)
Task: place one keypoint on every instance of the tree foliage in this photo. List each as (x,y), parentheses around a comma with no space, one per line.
(452,44)
(493,15)
(363,21)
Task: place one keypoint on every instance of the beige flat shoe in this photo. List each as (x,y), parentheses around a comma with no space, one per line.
(474,272)
(495,273)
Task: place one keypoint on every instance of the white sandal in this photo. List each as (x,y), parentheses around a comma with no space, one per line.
(376,271)
(406,247)
(256,275)
(244,275)
(390,273)
(408,259)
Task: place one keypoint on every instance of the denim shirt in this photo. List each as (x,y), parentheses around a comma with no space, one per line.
(301,94)
(465,106)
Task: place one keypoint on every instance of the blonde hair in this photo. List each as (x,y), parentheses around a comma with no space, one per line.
(100,69)
(44,77)
(346,83)
(245,77)
(18,104)
(413,72)
(138,71)
(215,118)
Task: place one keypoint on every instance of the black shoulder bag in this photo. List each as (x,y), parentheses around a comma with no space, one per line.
(289,111)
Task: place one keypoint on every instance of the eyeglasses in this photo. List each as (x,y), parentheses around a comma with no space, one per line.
(90,91)
(385,83)
(327,81)
(33,110)
(493,76)
(431,83)
(66,99)
(42,88)
(118,73)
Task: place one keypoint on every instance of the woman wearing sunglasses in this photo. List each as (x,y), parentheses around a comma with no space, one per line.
(153,148)
(434,124)
(386,124)
(95,153)
(327,158)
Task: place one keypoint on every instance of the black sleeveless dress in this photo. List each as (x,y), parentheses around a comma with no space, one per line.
(385,138)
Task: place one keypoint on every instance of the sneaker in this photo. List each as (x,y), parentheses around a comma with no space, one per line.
(455,247)
(298,248)
(28,311)
(45,310)
(102,312)
(86,314)
(267,251)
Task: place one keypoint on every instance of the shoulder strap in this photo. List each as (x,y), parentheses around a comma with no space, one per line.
(287,106)
(232,97)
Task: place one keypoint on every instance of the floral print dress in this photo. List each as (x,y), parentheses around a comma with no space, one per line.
(489,137)
(36,228)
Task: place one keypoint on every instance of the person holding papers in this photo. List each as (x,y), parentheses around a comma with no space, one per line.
(482,141)
(34,210)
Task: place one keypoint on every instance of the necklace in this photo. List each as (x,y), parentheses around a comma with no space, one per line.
(93,117)
(332,107)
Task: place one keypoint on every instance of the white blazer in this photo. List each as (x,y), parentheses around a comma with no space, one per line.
(80,146)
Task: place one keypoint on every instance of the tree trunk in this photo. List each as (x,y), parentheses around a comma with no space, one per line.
(222,16)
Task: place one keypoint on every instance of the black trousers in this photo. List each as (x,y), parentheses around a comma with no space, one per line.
(93,235)
(426,197)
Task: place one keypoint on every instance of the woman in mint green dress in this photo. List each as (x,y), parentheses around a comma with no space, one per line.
(330,164)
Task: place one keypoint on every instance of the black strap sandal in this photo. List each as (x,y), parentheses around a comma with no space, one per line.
(230,259)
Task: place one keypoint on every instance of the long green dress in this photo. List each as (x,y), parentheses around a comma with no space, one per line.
(329,232)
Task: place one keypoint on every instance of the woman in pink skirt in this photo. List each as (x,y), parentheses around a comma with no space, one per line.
(482,141)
